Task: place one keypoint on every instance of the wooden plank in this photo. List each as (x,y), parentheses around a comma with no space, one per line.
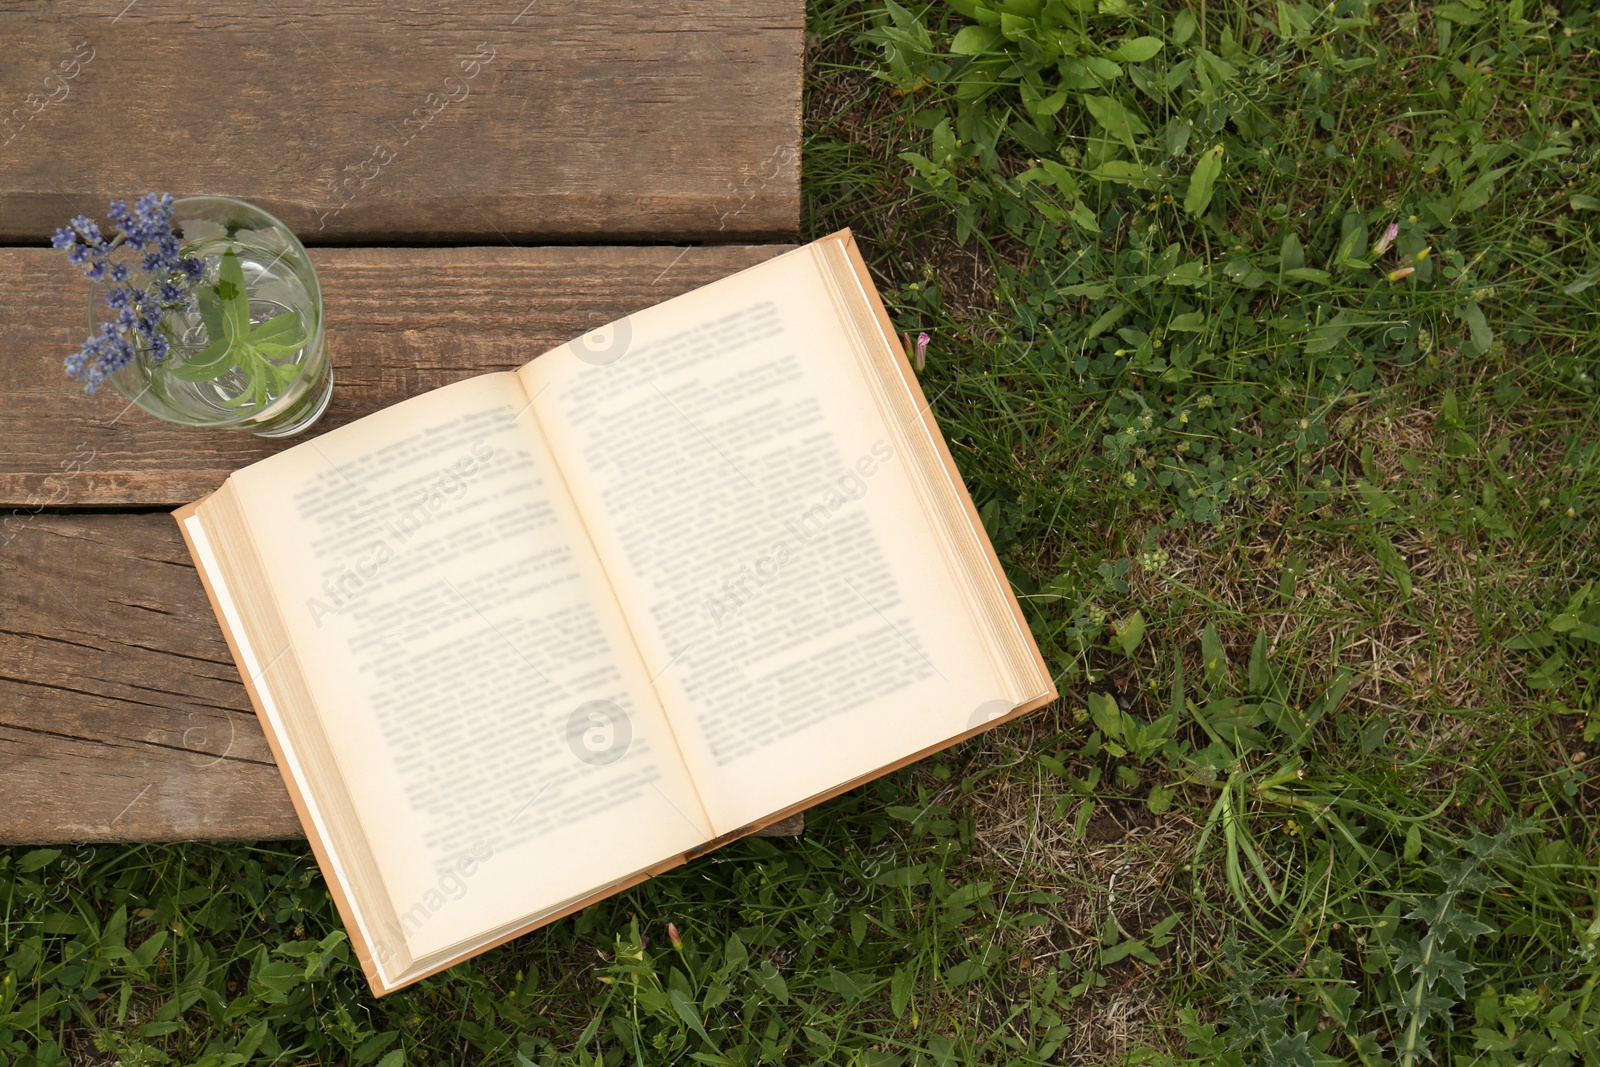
(450,122)
(401,321)
(122,717)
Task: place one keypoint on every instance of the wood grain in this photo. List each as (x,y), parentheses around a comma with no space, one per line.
(121,714)
(122,717)
(401,321)
(375,121)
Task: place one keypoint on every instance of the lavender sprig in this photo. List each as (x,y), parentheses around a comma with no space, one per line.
(168,283)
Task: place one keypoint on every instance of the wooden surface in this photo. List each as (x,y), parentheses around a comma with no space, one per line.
(368,123)
(377,122)
(122,717)
(400,322)
(121,713)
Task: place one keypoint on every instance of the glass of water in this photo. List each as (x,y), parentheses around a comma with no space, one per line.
(270,380)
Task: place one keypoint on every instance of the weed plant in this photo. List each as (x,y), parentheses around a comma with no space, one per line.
(1265,335)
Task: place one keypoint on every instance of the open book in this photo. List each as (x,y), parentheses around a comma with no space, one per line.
(523,641)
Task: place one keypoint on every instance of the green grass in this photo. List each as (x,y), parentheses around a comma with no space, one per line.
(1309,546)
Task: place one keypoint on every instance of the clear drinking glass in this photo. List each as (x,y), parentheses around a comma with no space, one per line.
(275,397)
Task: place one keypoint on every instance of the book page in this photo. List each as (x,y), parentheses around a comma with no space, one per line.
(474,678)
(793,606)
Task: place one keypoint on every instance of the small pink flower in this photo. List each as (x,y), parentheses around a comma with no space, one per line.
(1401,274)
(672,935)
(922,350)
(1387,239)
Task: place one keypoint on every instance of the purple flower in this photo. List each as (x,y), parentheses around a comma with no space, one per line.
(165,253)
(922,350)
(100,356)
(87,230)
(168,285)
